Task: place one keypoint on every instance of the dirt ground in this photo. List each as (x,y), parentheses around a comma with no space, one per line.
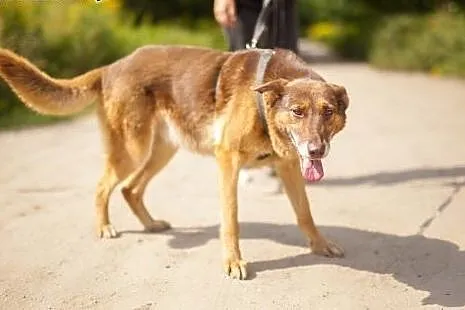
(393,197)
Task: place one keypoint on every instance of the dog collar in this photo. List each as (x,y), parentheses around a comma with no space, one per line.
(265,56)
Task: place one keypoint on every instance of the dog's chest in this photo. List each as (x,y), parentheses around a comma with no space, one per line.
(203,140)
(198,139)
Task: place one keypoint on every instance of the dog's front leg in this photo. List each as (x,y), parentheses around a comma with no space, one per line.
(229,164)
(291,177)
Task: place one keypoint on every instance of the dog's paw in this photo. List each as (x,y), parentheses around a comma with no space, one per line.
(326,248)
(157,226)
(107,232)
(236,269)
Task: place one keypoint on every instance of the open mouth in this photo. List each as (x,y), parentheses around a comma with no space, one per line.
(312,169)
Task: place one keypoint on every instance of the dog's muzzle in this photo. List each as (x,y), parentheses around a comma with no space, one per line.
(310,155)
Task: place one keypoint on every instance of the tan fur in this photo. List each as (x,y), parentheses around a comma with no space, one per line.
(161,98)
(45,94)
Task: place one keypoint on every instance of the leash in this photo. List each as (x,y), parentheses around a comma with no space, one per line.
(260,25)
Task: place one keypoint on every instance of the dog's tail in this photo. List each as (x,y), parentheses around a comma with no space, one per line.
(45,94)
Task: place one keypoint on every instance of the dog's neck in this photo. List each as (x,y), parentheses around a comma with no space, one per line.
(265,57)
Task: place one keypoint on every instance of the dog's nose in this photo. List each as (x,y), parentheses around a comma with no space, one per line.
(316,150)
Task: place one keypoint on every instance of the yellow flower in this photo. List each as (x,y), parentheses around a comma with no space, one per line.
(323,30)
(112,5)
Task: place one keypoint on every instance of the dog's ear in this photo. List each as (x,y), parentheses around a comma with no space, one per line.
(341,97)
(276,86)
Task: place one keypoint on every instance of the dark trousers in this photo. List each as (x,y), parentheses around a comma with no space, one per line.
(282,25)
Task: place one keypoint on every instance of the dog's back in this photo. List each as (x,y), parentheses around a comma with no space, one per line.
(173,85)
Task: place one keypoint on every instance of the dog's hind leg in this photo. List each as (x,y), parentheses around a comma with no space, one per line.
(104,189)
(118,165)
(159,154)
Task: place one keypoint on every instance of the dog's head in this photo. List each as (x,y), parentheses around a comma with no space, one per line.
(305,114)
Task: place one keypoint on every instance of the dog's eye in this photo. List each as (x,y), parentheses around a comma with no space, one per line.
(328,112)
(297,112)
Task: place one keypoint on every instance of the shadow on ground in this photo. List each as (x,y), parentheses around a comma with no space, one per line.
(426,264)
(395,177)
(432,265)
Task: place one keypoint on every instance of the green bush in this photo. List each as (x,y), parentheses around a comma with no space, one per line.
(433,43)
(70,38)
(349,40)
(357,21)
(353,22)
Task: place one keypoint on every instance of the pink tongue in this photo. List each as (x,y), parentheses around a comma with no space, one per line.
(312,170)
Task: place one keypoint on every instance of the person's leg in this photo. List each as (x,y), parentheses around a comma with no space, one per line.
(290,24)
(235,37)
(241,34)
(284,25)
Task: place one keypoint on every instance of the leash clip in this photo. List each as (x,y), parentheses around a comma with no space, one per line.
(252,44)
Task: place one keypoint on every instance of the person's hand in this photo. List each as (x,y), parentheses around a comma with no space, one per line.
(225,12)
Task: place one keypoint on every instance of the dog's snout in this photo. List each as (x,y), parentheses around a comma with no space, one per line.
(316,150)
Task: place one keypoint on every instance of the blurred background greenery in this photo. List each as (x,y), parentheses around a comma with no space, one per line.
(66,38)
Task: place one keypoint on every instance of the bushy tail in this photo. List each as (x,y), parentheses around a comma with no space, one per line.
(45,94)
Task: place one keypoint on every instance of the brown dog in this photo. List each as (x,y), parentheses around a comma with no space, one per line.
(248,108)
